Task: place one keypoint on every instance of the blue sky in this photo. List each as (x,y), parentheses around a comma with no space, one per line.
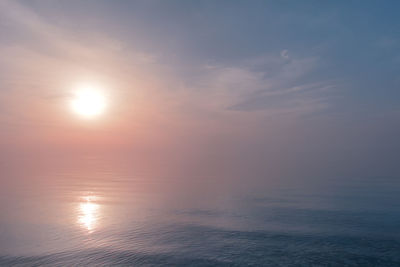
(354,43)
(314,77)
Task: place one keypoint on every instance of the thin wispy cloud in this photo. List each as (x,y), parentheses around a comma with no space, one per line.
(272,84)
(193,72)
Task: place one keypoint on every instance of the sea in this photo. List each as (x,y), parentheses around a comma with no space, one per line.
(94,213)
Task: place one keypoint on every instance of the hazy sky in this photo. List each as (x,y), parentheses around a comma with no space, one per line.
(279,88)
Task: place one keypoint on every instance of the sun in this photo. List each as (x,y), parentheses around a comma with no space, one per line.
(88,101)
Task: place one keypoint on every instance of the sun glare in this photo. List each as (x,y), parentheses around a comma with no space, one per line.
(88,213)
(88,101)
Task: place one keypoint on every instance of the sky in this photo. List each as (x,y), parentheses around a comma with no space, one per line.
(232,88)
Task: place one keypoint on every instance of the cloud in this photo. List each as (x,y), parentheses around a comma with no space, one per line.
(41,62)
(273,85)
(285,54)
(52,57)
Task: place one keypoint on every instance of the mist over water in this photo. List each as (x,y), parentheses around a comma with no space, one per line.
(94,211)
(199,133)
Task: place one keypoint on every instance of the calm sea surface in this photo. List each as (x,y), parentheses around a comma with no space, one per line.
(102,215)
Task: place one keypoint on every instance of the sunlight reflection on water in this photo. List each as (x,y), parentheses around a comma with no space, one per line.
(121,218)
(88,214)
